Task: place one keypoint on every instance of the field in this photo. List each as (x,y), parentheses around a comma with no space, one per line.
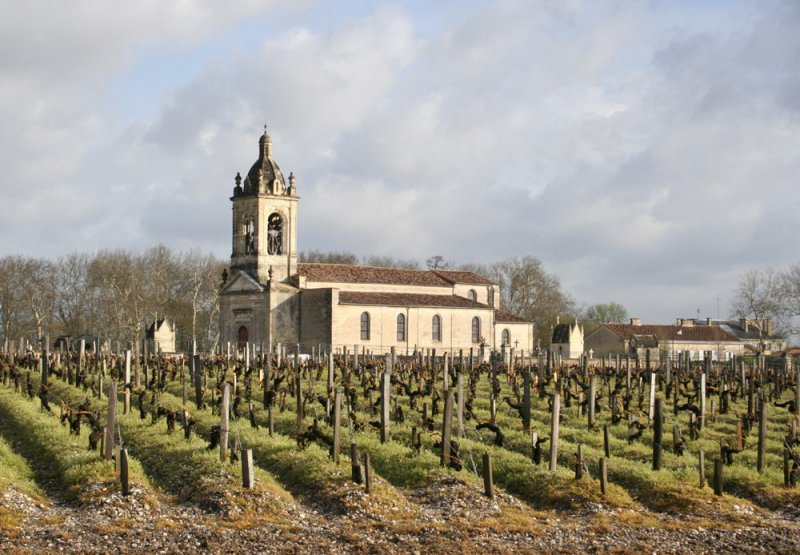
(57,493)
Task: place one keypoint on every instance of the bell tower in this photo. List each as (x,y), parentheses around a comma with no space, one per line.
(264,235)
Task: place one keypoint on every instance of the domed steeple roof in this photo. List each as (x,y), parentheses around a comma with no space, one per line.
(264,176)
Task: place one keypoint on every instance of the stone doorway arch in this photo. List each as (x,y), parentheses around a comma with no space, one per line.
(243,336)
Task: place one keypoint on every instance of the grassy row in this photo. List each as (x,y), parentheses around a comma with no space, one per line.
(57,457)
(669,489)
(15,474)
(309,473)
(186,469)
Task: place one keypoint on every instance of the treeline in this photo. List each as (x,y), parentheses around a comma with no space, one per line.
(772,294)
(111,294)
(115,294)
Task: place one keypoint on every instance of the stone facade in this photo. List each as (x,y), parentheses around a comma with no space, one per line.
(268,298)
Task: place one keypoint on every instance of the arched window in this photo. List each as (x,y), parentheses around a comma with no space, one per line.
(249,235)
(275,234)
(476,330)
(401,327)
(472,295)
(436,328)
(506,340)
(365,326)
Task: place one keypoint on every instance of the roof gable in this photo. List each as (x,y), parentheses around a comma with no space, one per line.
(508,318)
(466,278)
(241,282)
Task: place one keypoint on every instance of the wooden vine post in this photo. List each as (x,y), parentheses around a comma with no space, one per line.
(658,432)
(110,420)
(386,388)
(248,476)
(592,397)
(460,404)
(526,400)
(123,471)
(554,432)
(337,425)
(603,475)
(762,436)
(224,418)
(447,428)
(488,479)
(127,394)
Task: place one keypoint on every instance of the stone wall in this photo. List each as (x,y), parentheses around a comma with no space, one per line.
(316,308)
(456,329)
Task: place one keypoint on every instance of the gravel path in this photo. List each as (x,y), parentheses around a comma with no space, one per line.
(444,521)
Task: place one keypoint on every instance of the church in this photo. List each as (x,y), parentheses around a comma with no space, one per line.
(268,298)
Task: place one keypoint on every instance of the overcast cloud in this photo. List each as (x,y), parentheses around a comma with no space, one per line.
(646,152)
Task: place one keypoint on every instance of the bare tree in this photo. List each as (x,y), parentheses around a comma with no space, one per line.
(328,257)
(790,299)
(72,286)
(11,304)
(437,262)
(37,278)
(602,313)
(389,262)
(758,296)
(528,291)
(199,287)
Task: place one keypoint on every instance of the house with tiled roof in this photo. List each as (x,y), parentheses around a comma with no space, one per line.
(757,335)
(685,336)
(267,297)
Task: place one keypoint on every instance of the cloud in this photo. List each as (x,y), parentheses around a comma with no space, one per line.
(644,152)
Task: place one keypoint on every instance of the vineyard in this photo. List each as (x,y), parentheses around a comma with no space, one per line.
(358,453)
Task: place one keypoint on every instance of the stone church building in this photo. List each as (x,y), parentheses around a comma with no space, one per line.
(267,297)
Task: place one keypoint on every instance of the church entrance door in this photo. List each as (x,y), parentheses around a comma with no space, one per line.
(243,337)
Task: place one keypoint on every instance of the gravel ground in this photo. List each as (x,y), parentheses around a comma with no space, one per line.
(443,521)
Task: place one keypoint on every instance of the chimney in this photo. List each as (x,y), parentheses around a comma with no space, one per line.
(743,323)
(708,321)
(768,326)
(636,321)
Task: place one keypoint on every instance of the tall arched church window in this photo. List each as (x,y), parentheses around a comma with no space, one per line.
(476,330)
(436,328)
(401,327)
(275,234)
(506,338)
(472,295)
(365,326)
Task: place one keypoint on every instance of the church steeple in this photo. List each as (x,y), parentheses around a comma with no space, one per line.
(265,142)
(265,219)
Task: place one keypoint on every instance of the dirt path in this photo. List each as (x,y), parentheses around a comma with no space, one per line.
(445,523)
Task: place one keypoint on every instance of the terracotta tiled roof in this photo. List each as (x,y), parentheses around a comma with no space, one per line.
(670,333)
(347,273)
(407,299)
(470,278)
(502,316)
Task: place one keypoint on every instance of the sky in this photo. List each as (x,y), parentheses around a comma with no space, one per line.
(645,151)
